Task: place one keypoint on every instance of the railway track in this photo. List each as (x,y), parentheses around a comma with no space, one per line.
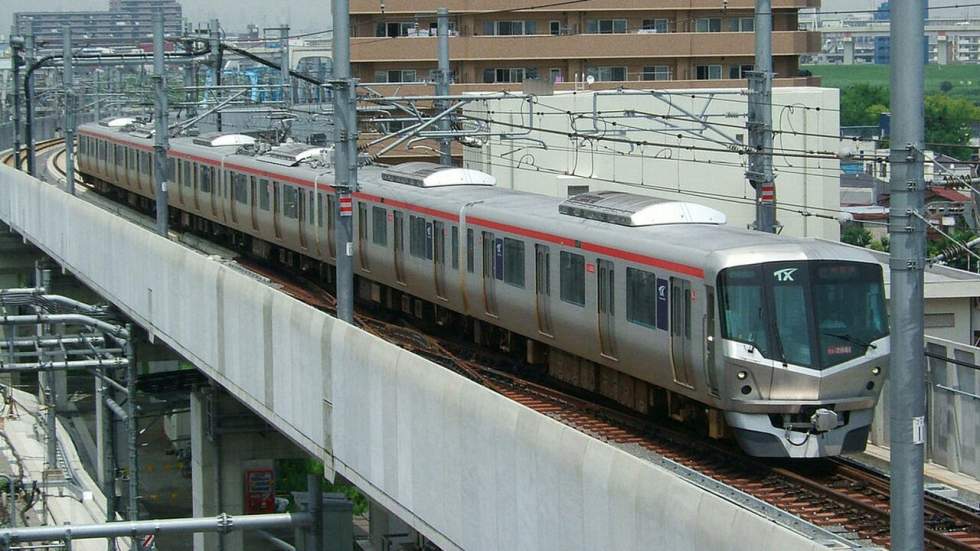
(39,147)
(837,495)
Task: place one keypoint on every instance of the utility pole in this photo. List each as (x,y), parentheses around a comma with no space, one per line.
(17,59)
(215,38)
(68,76)
(345,157)
(760,122)
(97,76)
(190,96)
(287,94)
(132,422)
(907,232)
(442,84)
(29,104)
(160,133)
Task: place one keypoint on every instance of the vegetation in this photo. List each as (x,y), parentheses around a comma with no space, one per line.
(856,235)
(291,477)
(963,79)
(948,119)
(960,259)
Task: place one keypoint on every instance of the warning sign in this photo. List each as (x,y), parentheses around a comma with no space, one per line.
(260,491)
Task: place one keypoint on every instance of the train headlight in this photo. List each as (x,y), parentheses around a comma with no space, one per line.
(742,375)
(875,370)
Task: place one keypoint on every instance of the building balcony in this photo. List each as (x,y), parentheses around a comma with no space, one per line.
(582,46)
(475,6)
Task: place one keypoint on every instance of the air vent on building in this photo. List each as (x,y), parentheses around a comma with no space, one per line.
(628,209)
(426,175)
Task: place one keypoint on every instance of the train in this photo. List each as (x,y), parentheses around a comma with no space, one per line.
(658,305)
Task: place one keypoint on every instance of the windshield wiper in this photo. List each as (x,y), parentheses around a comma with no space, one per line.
(851,339)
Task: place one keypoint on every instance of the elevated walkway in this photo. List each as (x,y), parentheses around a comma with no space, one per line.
(466,467)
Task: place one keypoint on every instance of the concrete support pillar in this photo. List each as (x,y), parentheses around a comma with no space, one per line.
(227,443)
(848,50)
(942,50)
(205,482)
(387,530)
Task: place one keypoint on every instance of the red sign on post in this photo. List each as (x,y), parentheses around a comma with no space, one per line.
(260,491)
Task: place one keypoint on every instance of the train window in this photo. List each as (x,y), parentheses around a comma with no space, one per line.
(239,187)
(379,218)
(101,148)
(416,237)
(264,194)
(319,210)
(514,262)
(119,155)
(572,273)
(204,178)
(290,198)
(743,307)
(144,162)
(172,174)
(362,222)
(185,174)
(131,160)
(455,247)
(469,250)
(641,297)
(331,224)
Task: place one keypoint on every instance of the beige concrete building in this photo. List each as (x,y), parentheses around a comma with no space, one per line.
(497,44)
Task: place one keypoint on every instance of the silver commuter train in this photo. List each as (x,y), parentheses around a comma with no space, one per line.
(649,302)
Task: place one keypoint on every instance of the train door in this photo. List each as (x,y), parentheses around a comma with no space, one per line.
(680,330)
(489,255)
(302,214)
(439,257)
(398,219)
(542,288)
(276,209)
(709,340)
(606,307)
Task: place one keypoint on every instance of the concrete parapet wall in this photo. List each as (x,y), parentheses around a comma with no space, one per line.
(468,468)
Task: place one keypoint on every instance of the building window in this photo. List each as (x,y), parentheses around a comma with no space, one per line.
(393,29)
(656,25)
(641,297)
(940,320)
(605,26)
(514,262)
(708,25)
(555,75)
(290,202)
(514,74)
(572,275)
(509,28)
(708,72)
(379,219)
(396,75)
(656,72)
(608,74)
(742,24)
(739,71)
(554,28)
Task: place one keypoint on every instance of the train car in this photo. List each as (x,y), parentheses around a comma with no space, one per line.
(656,304)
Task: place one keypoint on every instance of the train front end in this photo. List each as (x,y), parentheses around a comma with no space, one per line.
(805,354)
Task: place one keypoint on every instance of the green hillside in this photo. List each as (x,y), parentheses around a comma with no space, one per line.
(964,78)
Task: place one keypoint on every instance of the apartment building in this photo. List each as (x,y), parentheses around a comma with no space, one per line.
(125,23)
(497,44)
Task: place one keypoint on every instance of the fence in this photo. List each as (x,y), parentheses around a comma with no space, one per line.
(44,128)
(953,407)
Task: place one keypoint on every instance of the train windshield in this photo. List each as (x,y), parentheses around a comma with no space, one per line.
(815,314)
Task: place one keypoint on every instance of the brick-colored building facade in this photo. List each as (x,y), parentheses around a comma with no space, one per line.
(495,44)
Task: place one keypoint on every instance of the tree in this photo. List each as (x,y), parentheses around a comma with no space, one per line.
(948,125)
(855,103)
(945,86)
(856,235)
(880,244)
